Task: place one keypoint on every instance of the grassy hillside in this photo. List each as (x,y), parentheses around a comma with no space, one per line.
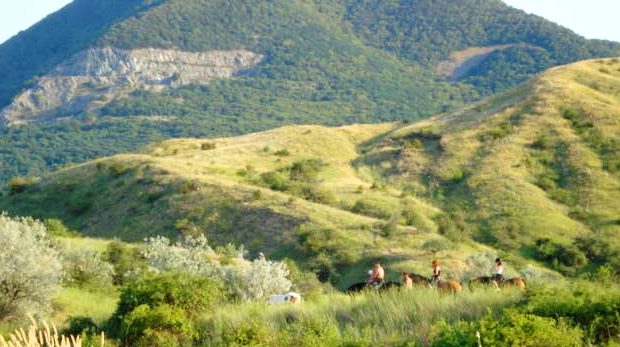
(532,172)
(327,62)
(318,210)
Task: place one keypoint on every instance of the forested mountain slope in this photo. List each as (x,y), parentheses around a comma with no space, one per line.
(325,62)
(533,172)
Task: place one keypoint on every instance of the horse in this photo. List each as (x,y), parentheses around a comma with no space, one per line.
(449,286)
(452,286)
(517,282)
(361,286)
(419,280)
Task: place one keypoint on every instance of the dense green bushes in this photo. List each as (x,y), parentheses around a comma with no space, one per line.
(566,258)
(511,328)
(156,309)
(300,179)
(592,307)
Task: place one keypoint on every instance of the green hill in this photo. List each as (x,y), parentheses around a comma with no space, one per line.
(533,173)
(325,62)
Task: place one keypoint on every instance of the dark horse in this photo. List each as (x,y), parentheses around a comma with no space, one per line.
(358,287)
(419,280)
(448,286)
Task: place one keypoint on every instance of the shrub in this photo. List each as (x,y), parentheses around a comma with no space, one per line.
(452,227)
(306,170)
(251,331)
(510,329)
(246,280)
(257,280)
(55,227)
(593,307)
(275,180)
(18,185)
(30,268)
(190,294)
(191,255)
(435,246)
(566,258)
(118,169)
(315,194)
(80,324)
(187,187)
(159,326)
(282,153)
(207,146)
(123,259)
(86,268)
(310,332)
(372,207)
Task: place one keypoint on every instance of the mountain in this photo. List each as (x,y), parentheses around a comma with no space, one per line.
(533,172)
(103,77)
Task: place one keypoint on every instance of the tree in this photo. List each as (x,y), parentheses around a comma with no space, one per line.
(30,269)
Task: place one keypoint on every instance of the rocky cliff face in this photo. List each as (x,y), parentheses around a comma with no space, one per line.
(92,77)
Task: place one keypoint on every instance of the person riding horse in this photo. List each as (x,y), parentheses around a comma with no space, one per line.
(498,275)
(436,274)
(377,275)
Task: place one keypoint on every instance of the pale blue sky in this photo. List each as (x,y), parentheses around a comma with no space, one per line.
(592,18)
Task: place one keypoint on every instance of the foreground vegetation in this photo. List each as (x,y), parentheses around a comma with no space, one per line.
(187,294)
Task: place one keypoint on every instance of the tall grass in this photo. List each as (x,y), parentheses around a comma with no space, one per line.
(46,336)
(375,317)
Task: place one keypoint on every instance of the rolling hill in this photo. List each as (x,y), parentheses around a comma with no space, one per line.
(532,174)
(105,77)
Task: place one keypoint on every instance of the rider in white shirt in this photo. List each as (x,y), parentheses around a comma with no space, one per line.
(498,276)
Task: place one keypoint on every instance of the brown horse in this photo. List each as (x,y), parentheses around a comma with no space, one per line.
(449,286)
(517,282)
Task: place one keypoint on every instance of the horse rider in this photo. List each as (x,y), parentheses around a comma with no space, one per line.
(377,275)
(436,274)
(498,275)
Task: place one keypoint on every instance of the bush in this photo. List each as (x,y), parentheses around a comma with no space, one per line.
(207,146)
(159,326)
(310,332)
(306,170)
(30,268)
(373,208)
(510,329)
(275,180)
(55,227)
(314,194)
(250,332)
(282,153)
(123,259)
(593,307)
(453,227)
(566,258)
(244,279)
(80,324)
(18,185)
(179,291)
(86,268)
(257,280)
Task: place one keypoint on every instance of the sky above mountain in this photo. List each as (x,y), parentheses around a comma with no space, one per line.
(595,19)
